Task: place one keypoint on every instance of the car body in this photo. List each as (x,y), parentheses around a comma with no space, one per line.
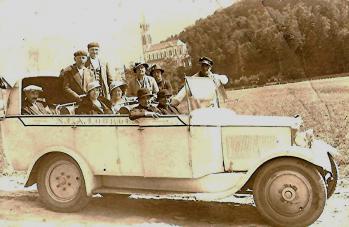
(208,153)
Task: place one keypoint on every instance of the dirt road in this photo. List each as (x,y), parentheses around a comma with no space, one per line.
(19,207)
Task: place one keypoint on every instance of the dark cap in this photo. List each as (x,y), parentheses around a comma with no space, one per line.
(137,64)
(206,60)
(93,44)
(80,53)
(163,93)
(142,92)
(156,67)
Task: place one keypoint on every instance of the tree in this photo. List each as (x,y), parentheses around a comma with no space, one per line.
(286,40)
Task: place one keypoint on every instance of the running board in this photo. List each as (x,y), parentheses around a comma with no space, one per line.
(203,196)
(212,183)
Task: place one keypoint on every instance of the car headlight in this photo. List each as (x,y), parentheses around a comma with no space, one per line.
(304,139)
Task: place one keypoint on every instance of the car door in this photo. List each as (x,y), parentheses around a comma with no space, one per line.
(165,146)
(205,130)
(129,152)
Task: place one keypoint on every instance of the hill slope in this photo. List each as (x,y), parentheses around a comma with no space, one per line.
(274,39)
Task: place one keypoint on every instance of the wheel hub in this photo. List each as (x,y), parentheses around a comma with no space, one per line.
(62,181)
(288,194)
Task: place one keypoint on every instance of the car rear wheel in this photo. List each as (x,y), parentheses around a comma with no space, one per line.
(61,184)
(289,192)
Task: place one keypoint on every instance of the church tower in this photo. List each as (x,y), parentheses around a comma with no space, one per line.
(145,35)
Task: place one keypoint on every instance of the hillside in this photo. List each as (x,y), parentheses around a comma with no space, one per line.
(260,41)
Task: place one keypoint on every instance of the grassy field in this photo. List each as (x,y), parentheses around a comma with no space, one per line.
(323,105)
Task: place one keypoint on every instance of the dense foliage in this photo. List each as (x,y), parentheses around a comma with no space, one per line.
(256,41)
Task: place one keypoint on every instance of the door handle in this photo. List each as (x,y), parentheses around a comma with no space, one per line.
(140,128)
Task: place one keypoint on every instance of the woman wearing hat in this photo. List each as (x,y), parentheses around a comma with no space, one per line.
(117,93)
(93,103)
(142,80)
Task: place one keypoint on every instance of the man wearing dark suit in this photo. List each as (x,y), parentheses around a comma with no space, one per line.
(76,77)
(165,106)
(156,71)
(32,104)
(144,109)
(99,68)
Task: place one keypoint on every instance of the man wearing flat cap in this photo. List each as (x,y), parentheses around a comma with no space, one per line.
(76,77)
(99,68)
(142,80)
(144,108)
(165,106)
(32,104)
(156,71)
(205,71)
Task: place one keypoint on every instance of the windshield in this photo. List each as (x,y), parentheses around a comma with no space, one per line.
(202,92)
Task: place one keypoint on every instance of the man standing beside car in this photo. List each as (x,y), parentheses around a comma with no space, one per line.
(205,71)
(76,77)
(142,80)
(99,68)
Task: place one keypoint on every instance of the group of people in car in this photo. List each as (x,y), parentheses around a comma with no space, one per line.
(89,83)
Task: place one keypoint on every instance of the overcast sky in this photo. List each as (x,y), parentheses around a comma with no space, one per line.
(40,36)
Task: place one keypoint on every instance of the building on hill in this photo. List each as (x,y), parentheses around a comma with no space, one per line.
(157,53)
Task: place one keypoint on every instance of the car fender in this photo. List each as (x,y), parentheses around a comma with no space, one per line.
(317,155)
(91,181)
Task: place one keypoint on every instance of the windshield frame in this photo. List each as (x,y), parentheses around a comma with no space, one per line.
(191,98)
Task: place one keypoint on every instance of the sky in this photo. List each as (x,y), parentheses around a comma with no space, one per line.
(40,36)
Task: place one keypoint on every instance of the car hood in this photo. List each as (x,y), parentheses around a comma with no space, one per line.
(227,117)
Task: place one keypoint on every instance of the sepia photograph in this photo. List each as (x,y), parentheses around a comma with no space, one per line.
(174,113)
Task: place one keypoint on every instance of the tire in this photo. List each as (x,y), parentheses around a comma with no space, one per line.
(61,184)
(332,181)
(289,192)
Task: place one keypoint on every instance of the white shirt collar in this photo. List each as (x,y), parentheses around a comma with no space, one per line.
(95,63)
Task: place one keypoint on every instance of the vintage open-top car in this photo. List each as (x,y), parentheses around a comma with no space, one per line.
(208,153)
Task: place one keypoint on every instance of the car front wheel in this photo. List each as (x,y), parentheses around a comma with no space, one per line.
(289,192)
(61,184)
